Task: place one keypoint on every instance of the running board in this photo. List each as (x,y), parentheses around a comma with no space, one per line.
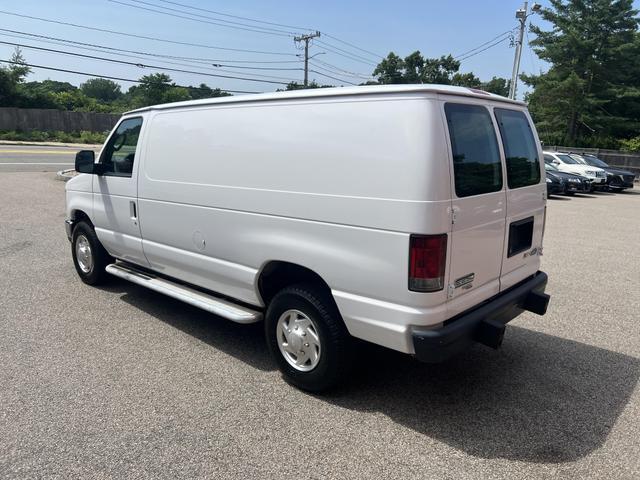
(188,295)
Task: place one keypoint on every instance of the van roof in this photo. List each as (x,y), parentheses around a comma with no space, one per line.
(335,92)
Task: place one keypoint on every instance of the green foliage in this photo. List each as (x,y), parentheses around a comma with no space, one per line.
(83,136)
(94,95)
(416,69)
(631,145)
(18,68)
(101,89)
(300,86)
(444,70)
(592,90)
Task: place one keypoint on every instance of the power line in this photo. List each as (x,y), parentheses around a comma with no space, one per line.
(342,70)
(345,53)
(353,46)
(206,66)
(346,56)
(230,22)
(84,45)
(156,67)
(210,22)
(334,72)
(333,78)
(235,16)
(485,43)
(329,76)
(132,35)
(485,48)
(120,79)
(377,56)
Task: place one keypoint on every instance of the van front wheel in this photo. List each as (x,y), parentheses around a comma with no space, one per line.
(307,338)
(89,256)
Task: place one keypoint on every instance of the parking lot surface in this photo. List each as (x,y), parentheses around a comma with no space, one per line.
(34,158)
(121,382)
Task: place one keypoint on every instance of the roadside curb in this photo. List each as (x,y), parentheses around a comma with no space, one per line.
(90,146)
(65,175)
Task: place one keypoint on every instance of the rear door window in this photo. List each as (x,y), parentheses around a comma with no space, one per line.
(521,153)
(476,158)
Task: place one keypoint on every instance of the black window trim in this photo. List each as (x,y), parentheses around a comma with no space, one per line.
(113,132)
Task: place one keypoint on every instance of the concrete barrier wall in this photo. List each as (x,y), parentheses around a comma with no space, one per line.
(26,119)
(615,158)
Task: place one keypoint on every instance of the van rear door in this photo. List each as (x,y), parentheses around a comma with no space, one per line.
(526,196)
(478,205)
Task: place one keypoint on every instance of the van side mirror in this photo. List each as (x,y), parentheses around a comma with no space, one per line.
(85,161)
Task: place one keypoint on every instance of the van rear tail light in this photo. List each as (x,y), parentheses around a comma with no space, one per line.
(427,258)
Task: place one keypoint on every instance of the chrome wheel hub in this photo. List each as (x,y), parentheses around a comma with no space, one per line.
(84,256)
(298,340)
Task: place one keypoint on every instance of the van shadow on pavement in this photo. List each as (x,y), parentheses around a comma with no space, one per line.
(540,398)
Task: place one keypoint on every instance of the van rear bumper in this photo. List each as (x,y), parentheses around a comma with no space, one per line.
(484,324)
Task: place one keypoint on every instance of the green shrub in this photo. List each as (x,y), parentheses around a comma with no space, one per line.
(83,136)
(631,145)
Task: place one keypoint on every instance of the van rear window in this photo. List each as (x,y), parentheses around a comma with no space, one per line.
(476,158)
(523,165)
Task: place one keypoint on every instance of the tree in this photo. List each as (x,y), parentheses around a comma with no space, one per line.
(11,77)
(152,89)
(390,70)
(300,86)
(416,69)
(497,85)
(205,91)
(591,93)
(101,89)
(466,80)
(18,66)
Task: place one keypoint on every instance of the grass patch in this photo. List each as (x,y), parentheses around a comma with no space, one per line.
(83,136)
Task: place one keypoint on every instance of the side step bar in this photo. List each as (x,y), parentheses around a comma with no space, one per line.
(188,295)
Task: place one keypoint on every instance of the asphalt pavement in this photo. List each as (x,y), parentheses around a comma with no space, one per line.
(121,382)
(33,158)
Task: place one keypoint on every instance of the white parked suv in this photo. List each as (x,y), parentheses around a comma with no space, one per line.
(408,216)
(566,163)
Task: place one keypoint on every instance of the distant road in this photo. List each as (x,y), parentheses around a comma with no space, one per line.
(28,158)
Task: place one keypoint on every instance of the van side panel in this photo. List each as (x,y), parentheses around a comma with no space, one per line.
(326,184)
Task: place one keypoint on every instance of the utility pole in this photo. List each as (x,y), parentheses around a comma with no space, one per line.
(306,39)
(522,15)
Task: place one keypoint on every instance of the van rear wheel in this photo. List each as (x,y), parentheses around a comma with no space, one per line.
(89,256)
(307,338)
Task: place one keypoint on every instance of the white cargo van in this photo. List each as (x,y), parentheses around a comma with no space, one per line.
(408,216)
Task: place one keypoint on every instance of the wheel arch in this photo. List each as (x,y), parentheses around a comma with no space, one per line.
(79,215)
(278,274)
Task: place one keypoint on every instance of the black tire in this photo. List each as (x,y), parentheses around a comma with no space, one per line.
(334,363)
(99,256)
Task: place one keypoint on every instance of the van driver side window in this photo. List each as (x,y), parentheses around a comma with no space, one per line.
(119,153)
(477,167)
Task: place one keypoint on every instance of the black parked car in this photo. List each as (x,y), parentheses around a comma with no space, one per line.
(562,182)
(617,179)
(554,185)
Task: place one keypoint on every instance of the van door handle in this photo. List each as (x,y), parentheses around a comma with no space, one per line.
(133,212)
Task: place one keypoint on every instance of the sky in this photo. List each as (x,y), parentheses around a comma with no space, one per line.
(433,27)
